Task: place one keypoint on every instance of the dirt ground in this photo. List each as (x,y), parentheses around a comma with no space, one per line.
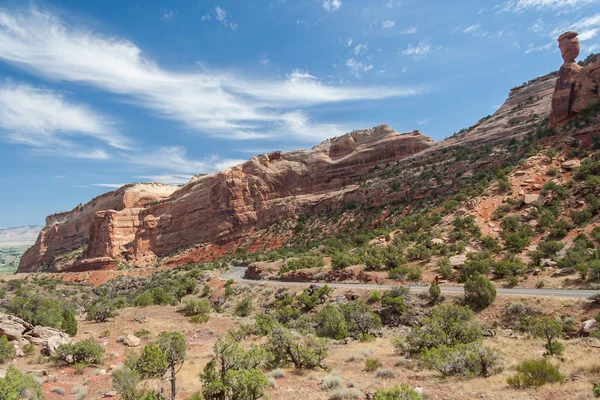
(581,363)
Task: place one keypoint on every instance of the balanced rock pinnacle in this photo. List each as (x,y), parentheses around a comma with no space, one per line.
(576,86)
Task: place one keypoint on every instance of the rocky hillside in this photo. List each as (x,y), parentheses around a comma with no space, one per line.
(150,224)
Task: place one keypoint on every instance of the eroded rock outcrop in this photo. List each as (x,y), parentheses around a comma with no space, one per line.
(142,222)
(576,86)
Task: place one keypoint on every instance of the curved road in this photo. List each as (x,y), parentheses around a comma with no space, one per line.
(237,274)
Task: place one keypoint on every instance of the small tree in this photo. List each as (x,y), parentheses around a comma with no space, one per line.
(233,372)
(125,382)
(360,320)
(173,346)
(100,310)
(69,323)
(330,322)
(7,350)
(434,292)
(479,292)
(308,353)
(549,329)
(446,325)
(84,352)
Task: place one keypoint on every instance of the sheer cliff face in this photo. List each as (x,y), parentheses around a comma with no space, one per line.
(141,222)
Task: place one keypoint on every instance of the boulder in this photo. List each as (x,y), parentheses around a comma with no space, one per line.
(40,334)
(13,327)
(531,198)
(570,164)
(132,340)
(52,343)
(458,260)
(589,326)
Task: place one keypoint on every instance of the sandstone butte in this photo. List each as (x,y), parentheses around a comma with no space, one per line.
(141,222)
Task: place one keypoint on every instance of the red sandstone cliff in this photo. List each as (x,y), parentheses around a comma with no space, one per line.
(141,222)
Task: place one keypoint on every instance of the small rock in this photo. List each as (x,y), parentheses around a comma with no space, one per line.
(112,393)
(589,326)
(132,341)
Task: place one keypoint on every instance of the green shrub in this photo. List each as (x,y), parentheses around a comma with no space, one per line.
(38,310)
(304,262)
(535,373)
(331,382)
(144,299)
(17,386)
(446,325)
(434,292)
(86,352)
(371,364)
(548,329)
(244,307)
(340,260)
(125,382)
(308,353)
(69,323)
(360,319)
(445,268)
(403,392)
(479,292)
(375,296)
(330,322)
(7,350)
(463,360)
(100,310)
(581,217)
(197,310)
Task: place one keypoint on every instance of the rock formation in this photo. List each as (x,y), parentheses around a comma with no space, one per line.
(142,222)
(576,86)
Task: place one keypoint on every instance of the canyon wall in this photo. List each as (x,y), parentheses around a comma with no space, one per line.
(142,222)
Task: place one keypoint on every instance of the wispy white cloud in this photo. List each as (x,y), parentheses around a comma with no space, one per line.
(419,51)
(59,177)
(541,5)
(588,34)
(205,17)
(107,185)
(332,5)
(584,24)
(388,24)
(532,49)
(538,26)
(357,67)
(471,28)
(170,179)
(411,30)
(264,58)
(221,104)
(423,121)
(48,122)
(221,15)
(175,160)
(167,15)
(361,49)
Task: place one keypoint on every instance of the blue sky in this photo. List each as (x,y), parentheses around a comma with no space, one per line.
(98,94)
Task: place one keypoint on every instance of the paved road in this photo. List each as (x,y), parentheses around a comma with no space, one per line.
(237,274)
